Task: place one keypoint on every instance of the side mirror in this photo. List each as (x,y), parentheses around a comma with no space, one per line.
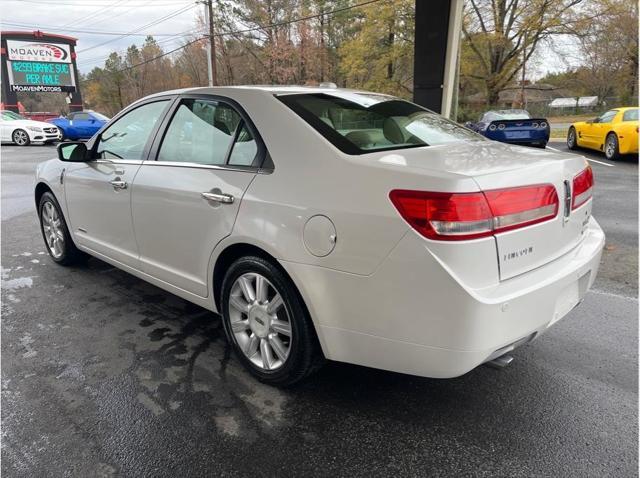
(73,152)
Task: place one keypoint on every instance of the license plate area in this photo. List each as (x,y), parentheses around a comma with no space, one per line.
(571,296)
(516,134)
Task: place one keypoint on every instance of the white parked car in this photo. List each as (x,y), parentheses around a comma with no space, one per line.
(22,131)
(328,223)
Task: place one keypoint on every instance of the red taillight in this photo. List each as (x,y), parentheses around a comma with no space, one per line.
(460,216)
(582,188)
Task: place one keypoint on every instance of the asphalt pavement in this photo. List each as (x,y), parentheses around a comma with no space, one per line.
(105,375)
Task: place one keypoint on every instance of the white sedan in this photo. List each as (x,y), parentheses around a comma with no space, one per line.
(330,224)
(22,131)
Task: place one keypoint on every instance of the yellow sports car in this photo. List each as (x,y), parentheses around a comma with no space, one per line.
(615,132)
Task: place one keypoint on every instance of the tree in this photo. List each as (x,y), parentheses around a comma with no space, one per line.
(379,56)
(105,87)
(609,51)
(503,35)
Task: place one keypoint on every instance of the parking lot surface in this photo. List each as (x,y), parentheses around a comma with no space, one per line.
(105,375)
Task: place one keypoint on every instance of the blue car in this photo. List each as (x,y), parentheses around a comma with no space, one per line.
(513,126)
(80,124)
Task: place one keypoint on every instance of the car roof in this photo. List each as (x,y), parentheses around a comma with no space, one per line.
(271,89)
(512,110)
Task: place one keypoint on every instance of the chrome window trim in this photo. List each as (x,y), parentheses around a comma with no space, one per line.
(116,161)
(220,167)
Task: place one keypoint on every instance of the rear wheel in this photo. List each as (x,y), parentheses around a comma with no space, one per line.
(20,137)
(55,232)
(572,140)
(267,324)
(611,148)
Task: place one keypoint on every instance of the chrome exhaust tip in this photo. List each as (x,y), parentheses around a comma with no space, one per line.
(500,362)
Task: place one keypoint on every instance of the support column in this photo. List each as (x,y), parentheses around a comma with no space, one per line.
(437,43)
(76,103)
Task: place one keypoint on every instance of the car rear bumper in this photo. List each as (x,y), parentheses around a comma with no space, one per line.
(538,137)
(413,316)
(629,145)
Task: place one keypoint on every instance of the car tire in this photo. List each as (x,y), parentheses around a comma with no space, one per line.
(21,137)
(267,323)
(572,139)
(611,147)
(55,232)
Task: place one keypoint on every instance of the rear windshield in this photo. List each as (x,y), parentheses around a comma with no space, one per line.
(99,116)
(490,116)
(359,123)
(630,115)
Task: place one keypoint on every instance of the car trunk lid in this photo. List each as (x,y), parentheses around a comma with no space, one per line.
(524,249)
(495,166)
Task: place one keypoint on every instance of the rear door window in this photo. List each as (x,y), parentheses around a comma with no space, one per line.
(245,148)
(201,131)
(209,132)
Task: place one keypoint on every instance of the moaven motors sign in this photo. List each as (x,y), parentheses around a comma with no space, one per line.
(35,51)
(40,67)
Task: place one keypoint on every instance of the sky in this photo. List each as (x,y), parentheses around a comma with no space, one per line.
(66,17)
(167,20)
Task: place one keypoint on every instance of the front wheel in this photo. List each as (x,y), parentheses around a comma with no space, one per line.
(572,140)
(267,324)
(20,137)
(56,233)
(611,147)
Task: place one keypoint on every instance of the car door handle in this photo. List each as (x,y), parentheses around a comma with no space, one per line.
(118,184)
(218,197)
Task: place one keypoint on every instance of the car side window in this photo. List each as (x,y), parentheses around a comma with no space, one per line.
(128,136)
(81,116)
(245,149)
(607,117)
(630,115)
(201,131)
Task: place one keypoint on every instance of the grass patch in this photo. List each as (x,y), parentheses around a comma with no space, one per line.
(571,118)
(559,133)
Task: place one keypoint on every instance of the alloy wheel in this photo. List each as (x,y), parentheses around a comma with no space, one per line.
(259,321)
(572,138)
(20,137)
(610,147)
(52,227)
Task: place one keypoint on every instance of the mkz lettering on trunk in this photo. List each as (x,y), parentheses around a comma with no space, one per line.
(517,254)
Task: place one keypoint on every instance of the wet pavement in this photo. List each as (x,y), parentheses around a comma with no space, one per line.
(105,375)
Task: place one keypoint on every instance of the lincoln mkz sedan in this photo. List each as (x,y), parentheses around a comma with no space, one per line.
(324,223)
